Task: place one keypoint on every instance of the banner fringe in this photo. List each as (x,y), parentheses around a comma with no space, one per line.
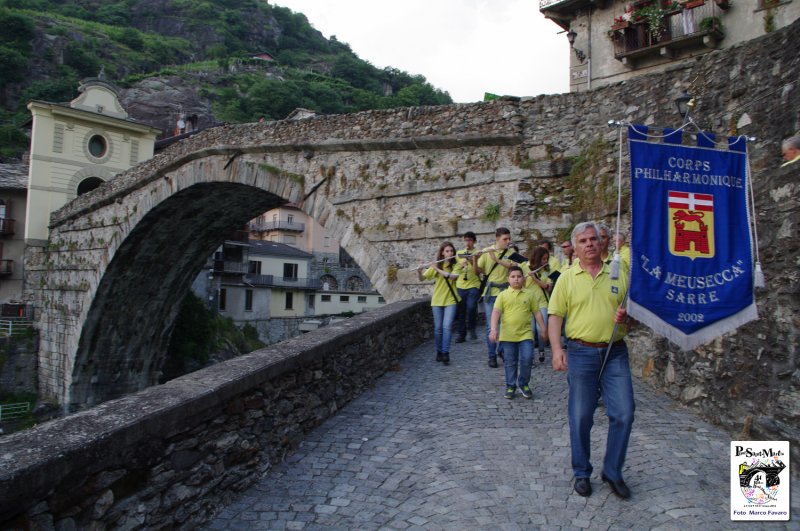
(695,339)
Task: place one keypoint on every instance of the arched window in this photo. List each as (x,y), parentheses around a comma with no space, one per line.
(355,284)
(87,185)
(328,283)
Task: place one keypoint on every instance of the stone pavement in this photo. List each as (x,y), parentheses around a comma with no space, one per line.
(435,447)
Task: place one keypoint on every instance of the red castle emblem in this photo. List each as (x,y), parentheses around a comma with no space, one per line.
(691,224)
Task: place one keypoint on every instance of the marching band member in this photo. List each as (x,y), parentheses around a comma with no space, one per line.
(494,263)
(445,270)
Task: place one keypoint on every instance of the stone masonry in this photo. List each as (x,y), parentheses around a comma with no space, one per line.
(395,183)
(168,456)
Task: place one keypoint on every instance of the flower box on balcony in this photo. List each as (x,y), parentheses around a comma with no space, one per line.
(619,26)
(693,3)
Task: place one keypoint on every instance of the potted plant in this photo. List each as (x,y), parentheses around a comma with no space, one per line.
(619,24)
(653,17)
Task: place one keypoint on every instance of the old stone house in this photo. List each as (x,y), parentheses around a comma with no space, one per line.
(614,40)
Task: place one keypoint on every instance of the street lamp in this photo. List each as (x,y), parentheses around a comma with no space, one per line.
(571,38)
(685,104)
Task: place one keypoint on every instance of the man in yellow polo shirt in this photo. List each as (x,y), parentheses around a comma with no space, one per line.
(494,263)
(591,301)
(516,305)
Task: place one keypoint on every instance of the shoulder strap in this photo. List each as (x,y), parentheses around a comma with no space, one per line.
(486,278)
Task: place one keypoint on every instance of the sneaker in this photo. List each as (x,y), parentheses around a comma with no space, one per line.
(526,392)
(473,335)
(509,393)
(541,356)
(493,363)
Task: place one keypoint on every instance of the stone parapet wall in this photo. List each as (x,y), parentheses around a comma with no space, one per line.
(168,456)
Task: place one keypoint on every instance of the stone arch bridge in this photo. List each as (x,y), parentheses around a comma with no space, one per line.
(391,184)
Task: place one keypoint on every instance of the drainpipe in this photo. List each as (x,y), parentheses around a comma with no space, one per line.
(589,53)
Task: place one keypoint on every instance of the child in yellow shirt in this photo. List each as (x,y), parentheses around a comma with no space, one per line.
(516,305)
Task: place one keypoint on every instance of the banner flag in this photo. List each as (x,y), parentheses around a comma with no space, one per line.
(691,251)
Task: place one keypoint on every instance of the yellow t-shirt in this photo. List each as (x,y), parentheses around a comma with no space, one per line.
(499,273)
(554,263)
(565,263)
(534,288)
(589,304)
(442,295)
(516,307)
(467,279)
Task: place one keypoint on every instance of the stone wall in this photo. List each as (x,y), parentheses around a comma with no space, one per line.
(168,456)
(18,364)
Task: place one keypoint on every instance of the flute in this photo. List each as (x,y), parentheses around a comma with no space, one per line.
(429,264)
(490,250)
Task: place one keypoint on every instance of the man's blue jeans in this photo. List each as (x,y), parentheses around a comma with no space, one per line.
(468,308)
(517,361)
(583,367)
(443,326)
(488,306)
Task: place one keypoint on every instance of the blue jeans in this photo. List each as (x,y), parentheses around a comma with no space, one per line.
(517,361)
(468,309)
(583,366)
(443,326)
(488,306)
(539,334)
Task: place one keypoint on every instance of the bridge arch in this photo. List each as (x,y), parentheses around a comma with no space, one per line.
(122,257)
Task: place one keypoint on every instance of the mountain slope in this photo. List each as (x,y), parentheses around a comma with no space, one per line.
(192,56)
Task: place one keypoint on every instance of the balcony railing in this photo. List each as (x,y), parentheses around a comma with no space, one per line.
(282,282)
(264,226)
(6,267)
(6,226)
(225,266)
(682,29)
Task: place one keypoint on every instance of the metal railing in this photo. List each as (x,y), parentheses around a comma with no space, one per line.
(14,327)
(679,27)
(263,226)
(225,266)
(283,282)
(14,411)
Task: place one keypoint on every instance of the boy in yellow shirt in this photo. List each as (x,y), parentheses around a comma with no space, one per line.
(516,305)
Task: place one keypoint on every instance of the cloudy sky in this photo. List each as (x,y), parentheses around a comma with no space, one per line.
(466,47)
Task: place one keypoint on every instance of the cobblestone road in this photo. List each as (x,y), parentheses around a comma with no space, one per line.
(435,447)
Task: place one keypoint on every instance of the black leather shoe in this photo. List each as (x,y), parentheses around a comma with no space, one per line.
(619,487)
(438,355)
(446,358)
(583,486)
(493,363)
